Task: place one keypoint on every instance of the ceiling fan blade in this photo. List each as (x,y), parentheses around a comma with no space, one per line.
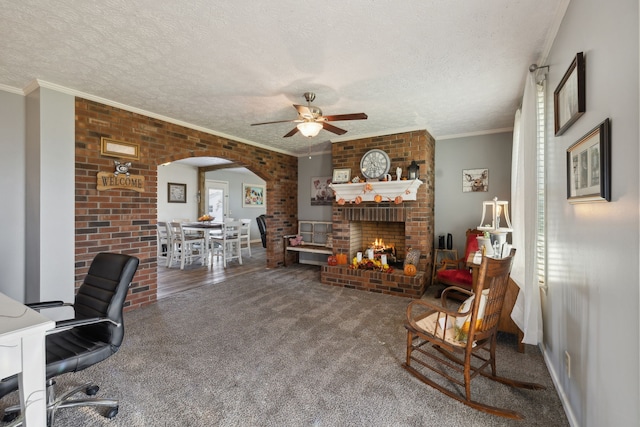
(303,109)
(332,128)
(291,132)
(268,123)
(354,116)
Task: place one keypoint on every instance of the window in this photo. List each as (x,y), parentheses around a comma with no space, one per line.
(541,248)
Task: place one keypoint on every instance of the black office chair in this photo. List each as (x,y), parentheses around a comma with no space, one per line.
(262,226)
(94,334)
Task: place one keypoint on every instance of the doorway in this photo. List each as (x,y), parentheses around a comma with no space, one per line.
(217,199)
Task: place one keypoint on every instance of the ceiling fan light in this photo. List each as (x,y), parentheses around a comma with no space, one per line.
(309,129)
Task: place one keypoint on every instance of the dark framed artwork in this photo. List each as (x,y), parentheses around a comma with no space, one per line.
(589,166)
(569,98)
(176,193)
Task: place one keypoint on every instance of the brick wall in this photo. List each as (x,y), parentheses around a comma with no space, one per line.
(125,221)
(418,215)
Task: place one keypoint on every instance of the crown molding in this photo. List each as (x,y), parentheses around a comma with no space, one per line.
(11,89)
(375,134)
(479,133)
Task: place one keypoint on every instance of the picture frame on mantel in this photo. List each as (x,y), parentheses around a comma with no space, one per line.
(589,166)
(569,98)
(341,175)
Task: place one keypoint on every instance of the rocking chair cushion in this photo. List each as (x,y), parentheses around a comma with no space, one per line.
(431,325)
(460,277)
(463,322)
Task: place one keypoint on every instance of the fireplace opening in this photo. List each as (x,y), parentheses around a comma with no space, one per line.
(382,236)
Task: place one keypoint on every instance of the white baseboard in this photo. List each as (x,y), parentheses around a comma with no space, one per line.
(573,422)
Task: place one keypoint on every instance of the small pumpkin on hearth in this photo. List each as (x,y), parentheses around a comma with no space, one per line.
(410,270)
(332,260)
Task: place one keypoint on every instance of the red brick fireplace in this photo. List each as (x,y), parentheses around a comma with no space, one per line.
(406,225)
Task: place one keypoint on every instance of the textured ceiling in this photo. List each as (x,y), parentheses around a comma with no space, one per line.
(449,66)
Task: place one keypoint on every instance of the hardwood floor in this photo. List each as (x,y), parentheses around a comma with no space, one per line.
(172,280)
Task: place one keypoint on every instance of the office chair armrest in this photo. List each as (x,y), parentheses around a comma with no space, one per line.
(64,325)
(48,304)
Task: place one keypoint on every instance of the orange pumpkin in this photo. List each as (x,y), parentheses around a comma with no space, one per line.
(377,198)
(410,270)
(358,200)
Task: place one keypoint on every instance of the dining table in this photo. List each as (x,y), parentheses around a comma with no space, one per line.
(205,227)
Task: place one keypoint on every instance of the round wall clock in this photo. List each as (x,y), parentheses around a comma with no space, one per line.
(375,164)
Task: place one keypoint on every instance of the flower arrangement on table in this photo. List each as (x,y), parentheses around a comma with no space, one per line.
(370,264)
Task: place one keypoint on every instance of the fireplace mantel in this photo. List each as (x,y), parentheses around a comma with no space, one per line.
(388,190)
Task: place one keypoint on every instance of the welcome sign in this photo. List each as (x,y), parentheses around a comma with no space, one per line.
(109,180)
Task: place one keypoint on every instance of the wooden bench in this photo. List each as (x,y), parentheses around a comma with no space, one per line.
(316,239)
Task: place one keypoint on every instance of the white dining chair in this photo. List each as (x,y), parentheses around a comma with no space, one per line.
(245,235)
(164,242)
(228,242)
(186,247)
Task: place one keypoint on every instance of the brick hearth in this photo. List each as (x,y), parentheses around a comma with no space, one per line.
(395,283)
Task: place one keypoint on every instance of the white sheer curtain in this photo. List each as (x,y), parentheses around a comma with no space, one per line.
(526,311)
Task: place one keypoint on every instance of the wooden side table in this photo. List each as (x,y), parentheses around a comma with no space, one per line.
(506,323)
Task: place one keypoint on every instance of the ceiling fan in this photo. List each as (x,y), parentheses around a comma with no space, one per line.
(310,119)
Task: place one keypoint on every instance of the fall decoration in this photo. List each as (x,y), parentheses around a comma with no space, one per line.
(370,264)
(410,270)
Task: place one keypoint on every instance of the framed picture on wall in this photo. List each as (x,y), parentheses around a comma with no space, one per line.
(589,166)
(475,180)
(176,193)
(121,149)
(569,99)
(253,195)
(321,193)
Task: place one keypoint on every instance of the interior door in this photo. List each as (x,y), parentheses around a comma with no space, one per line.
(217,199)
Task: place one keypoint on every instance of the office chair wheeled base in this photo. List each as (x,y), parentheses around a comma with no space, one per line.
(63,401)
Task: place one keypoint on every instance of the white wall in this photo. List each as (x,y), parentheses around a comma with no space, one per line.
(12,191)
(179,174)
(50,196)
(318,165)
(591,309)
(235,196)
(455,211)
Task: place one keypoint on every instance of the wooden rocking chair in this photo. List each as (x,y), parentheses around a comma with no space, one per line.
(464,342)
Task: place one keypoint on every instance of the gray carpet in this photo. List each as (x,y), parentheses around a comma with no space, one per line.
(278,348)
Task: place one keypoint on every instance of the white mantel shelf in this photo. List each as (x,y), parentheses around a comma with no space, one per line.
(389,190)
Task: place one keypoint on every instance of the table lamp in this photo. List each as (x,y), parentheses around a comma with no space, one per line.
(500,225)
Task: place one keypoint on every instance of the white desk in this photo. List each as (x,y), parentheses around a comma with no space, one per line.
(22,352)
